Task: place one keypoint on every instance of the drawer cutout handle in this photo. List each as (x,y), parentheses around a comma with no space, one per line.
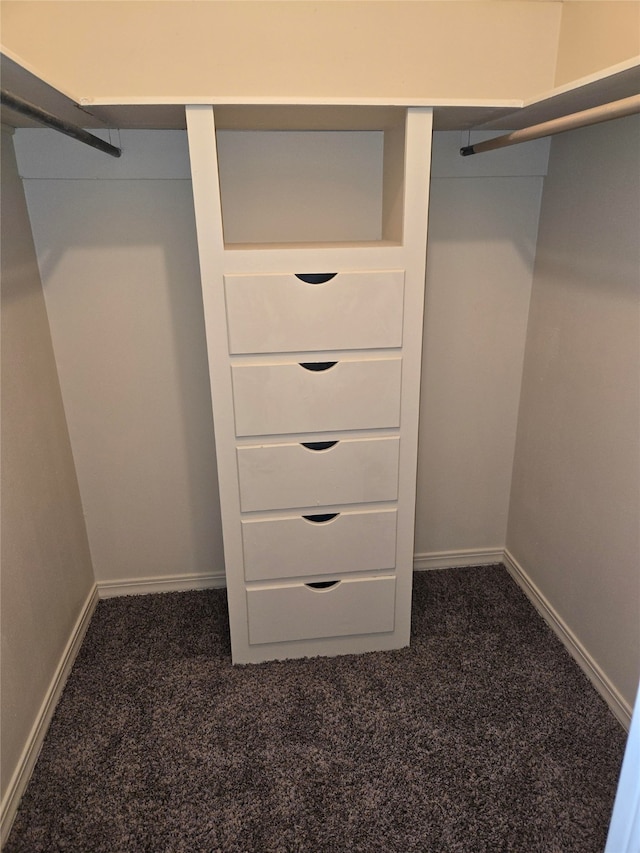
(317,366)
(315,277)
(322,585)
(321,517)
(318,445)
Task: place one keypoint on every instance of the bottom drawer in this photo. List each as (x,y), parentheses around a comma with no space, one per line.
(279,614)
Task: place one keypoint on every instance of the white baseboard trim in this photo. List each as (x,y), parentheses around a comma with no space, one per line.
(619,707)
(29,756)
(457,559)
(168,583)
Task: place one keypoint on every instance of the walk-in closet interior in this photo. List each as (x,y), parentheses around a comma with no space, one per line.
(288,340)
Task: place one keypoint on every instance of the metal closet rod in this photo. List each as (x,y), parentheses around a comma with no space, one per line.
(595,115)
(43,117)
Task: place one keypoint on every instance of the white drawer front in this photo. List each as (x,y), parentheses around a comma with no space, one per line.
(281,313)
(283,398)
(356,606)
(301,547)
(281,476)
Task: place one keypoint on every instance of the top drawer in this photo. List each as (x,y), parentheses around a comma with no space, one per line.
(285,313)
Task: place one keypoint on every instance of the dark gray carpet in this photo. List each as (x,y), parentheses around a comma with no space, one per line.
(483,736)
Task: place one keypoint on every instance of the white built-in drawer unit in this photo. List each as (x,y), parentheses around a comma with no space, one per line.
(319,543)
(278,614)
(314,359)
(319,473)
(315,396)
(290,313)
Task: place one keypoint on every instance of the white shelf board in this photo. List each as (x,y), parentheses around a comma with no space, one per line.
(27,85)
(612,84)
(161,112)
(315,114)
(340,244)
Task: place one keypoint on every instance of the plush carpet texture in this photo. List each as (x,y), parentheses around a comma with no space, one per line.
(482,736)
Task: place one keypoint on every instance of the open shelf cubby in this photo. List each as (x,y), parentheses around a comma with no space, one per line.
(292,176)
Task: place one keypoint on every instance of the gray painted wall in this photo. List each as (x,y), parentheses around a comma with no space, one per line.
(574,523)
(46,567)
(116,246)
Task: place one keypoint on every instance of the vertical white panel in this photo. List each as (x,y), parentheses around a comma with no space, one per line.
(206,194)
(416,207)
